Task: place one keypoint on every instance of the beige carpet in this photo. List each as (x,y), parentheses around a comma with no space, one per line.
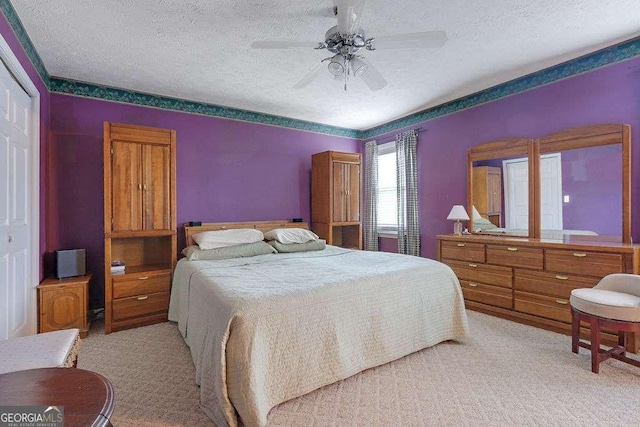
(507,374)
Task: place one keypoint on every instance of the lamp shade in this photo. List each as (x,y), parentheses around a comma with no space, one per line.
(459,213)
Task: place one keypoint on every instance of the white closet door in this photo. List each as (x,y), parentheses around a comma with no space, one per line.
(16,294)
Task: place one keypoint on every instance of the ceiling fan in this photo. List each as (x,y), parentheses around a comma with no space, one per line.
(346,41)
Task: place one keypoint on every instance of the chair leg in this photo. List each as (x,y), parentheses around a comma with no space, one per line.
(575,331)
(594,323)
(622,342)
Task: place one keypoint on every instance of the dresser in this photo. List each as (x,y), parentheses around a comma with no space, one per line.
(530,280)
(335,198)
(63,304)
(139,223)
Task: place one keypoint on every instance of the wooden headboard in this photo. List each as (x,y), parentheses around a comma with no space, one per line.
(259,225)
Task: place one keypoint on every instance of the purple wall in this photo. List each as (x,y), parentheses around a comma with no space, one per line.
(607,95)
(588,176)
(226,170)
(18,51)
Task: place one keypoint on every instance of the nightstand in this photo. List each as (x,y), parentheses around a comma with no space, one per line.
(63,304)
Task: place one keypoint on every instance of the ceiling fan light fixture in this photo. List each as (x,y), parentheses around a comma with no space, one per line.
(336,65)
(358,66)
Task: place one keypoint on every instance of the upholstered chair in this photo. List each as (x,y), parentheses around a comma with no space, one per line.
(614,303)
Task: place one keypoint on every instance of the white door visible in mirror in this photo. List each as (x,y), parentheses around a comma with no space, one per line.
(516,197)
(551,191)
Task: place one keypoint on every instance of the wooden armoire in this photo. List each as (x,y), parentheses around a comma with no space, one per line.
(139,223)
(487,193)
(335,198)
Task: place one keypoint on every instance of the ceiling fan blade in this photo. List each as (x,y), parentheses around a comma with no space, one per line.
(411,40)
(349,15)
(372,77)
(310,76)
(283,44)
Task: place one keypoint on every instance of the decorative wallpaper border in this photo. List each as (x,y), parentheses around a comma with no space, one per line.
(88,90)
(607,56)
(14,21)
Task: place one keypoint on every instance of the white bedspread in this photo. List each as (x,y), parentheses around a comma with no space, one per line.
(267,329)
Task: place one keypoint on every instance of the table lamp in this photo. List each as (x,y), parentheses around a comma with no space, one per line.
(458,213)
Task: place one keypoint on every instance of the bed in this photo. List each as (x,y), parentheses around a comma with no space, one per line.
(266,329)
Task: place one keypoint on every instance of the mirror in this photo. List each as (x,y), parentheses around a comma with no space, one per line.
(500,191)
(570,185)
(582,183)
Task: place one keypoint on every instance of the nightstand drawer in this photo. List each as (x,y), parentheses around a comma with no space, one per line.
(475,272)
(140,305)
(140,284)
(583,262)
(463,251)
(515,256)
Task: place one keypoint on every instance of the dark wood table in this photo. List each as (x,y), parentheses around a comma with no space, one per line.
(87,397)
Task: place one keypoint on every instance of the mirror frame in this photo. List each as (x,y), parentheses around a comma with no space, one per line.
(567,139)
(593,136)
(509,147)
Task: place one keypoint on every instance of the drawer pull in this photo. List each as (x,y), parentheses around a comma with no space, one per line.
(462,245)
(143,277)
(579,254)
(562,301)
(562,277)
(142,298)
(512,249)
(473,285)
(473,265)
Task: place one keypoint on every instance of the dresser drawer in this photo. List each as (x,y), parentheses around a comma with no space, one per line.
(552,284)
(543,306)
(140,284)
(489,274)
(463,251)
(515,256)
(583,262)
(141,305)
(487,294)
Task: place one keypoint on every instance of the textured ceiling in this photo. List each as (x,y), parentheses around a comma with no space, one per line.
(199,50)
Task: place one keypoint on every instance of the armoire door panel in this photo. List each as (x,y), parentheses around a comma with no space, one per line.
(126,184)
(339,197)
(495,191)
(353,193)
(156,187)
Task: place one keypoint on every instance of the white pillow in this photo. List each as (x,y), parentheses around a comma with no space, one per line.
(290,235)
(222,238)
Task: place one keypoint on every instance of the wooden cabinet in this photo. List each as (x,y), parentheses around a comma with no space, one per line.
(140,183)
(530,280)
(140,223)
(335,198)
(63,304)
(487,193)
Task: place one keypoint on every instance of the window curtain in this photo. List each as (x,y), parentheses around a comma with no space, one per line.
(407,172)
(370,223)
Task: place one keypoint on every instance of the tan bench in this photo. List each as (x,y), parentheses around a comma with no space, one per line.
(47,350)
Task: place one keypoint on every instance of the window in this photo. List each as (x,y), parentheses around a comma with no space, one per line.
(387,189)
